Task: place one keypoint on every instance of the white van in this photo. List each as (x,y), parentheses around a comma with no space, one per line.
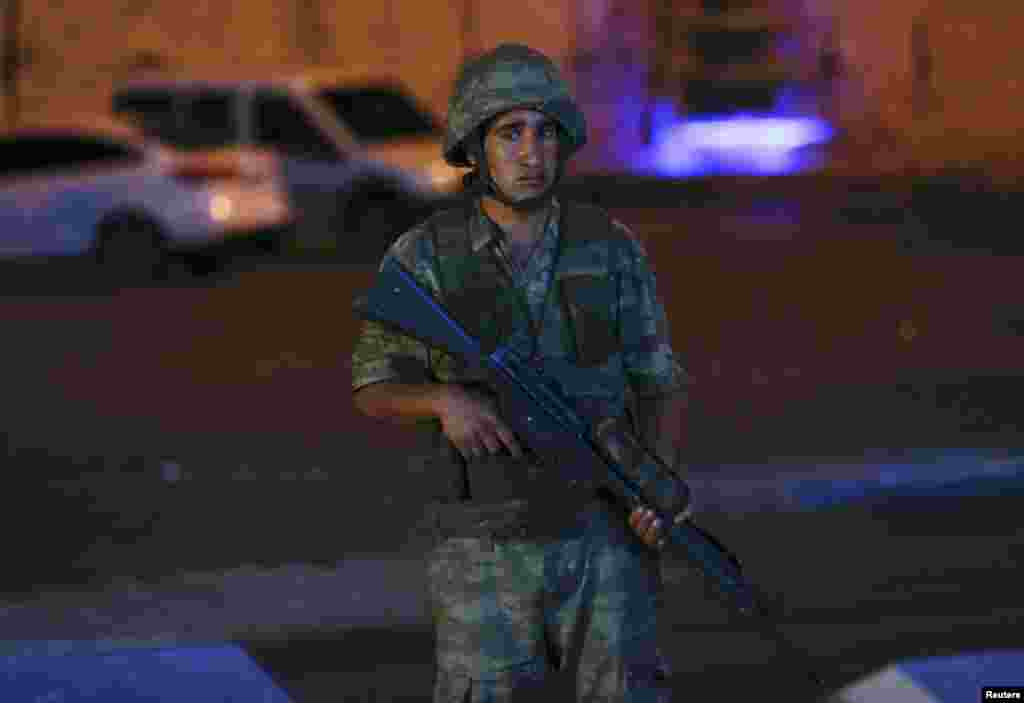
(359,157)
(92,186)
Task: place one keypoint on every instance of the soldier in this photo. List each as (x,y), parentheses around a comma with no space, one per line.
(527,576)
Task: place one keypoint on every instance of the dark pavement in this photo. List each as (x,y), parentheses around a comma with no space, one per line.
(183,461)
(864,588)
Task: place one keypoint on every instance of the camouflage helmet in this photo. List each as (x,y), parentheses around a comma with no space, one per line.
(509,77)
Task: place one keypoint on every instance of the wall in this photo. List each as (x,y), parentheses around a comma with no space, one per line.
(960,108)
(77,54)
(420,41)
(927,84)
(610,69)
(978,107)
(74,53)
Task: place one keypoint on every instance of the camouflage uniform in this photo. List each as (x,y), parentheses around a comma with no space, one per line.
(574,590)
(506,610)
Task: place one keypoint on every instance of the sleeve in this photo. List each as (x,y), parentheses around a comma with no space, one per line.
(650,364)
(380,354)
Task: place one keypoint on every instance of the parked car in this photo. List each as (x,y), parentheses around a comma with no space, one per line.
(358,156)
(99,188)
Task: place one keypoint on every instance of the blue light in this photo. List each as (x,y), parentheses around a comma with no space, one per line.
(732,144)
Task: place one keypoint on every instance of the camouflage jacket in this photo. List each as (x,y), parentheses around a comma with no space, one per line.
(585,307)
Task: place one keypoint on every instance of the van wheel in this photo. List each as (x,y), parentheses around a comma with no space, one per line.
(131,251)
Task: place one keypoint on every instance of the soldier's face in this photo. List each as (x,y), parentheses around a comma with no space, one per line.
(522,152)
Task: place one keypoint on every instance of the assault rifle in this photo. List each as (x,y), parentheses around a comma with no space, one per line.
(549,426)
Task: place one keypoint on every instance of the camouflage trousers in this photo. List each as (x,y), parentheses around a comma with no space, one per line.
(517,619)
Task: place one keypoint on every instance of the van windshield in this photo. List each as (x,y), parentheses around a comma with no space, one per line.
(188,120)
(379,113)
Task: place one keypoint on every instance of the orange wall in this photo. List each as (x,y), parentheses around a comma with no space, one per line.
(75,53)
(972,111)
(78,52)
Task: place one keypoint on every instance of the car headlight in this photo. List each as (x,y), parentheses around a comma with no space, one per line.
(221,207)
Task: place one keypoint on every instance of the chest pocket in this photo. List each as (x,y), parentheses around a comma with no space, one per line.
(485,304)
(589,304)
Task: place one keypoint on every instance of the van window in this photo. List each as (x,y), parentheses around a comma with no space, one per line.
(208,122)
(378,113)
(35,155)
(152,111)
(281,125)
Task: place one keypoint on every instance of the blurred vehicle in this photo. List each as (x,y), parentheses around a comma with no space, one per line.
(97,187)
(358,155)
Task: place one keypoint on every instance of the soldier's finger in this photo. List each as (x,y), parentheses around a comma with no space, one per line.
(509,440)
(656,530)
(641,523)
(643,517)
(490,442)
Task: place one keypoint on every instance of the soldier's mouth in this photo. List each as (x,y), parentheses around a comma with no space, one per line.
(531,180)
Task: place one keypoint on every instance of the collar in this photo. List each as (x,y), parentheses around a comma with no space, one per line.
(483,231)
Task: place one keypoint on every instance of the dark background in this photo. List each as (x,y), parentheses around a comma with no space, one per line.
(204,426)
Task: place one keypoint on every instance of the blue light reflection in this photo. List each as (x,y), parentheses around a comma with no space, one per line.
(756,144)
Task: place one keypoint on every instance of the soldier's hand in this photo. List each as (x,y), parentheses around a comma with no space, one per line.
(647,526)
(471,422)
